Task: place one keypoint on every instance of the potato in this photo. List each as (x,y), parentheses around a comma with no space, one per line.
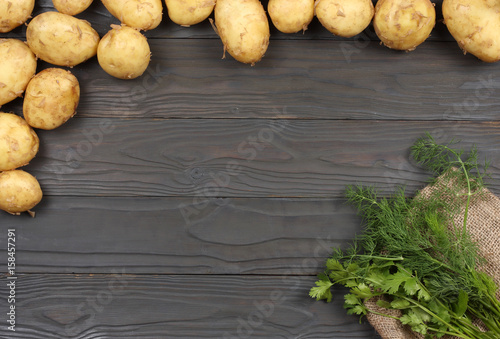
(345,18)
(243,28)
(19,192)
(404,24)
(61,39)
(17,67)
(71,7)
(18,142)
(141,14)
(14,13)
(124,52)
(291,16)
(51,98)
(474,24)
(189,12)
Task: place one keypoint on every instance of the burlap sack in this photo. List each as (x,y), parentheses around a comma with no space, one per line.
(483,223)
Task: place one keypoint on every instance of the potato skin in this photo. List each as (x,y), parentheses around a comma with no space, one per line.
(61,39)
(17,67)
(345,18)
(51,98)
(14,13)
(243,28)
(141,14)
(474,25)
(18,142)
(19,191)
(124,52)
(291,16)
(189,12)
(71,7)
(404,24)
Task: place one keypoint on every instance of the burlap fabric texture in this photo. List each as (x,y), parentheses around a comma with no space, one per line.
(483,223)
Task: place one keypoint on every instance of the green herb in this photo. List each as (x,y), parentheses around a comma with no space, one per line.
(414,257)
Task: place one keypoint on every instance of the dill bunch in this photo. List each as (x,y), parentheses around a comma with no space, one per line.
(413,254)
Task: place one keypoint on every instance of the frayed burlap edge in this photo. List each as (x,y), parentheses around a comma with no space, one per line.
(483,224)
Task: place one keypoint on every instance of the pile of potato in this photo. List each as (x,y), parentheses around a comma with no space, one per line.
(51,96)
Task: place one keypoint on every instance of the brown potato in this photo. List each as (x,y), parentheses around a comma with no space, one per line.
(17,67)
(51,98)
(345,18)
(124,52)
(19,192)
(243,28)
(71,7)
(61,39)
(14,13)
(291,16)
(474,25)
(404,24)
(189,12)
(141,14)
(18,142)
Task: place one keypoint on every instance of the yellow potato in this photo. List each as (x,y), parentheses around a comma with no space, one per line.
(19,192)
(51,98)
(404,24)
(345,18)
(14,13)
(475,26)
(18,142)
(189,12)
(243,28)
(17,67)
(291,16)
(61,39)
(141,14)
(124,52)
(71,7)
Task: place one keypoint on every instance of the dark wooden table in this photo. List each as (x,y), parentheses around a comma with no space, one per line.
(201,200)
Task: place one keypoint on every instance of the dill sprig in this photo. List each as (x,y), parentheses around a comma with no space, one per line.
(413,255)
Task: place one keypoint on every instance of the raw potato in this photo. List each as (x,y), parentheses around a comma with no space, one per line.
(19,192)
(51,98)
(61,39)
(404,24)
(141,14)
(243,28)
(17,67)
(345,18)
(291,16)
(14,13)
(71,7)
(475,26)
(18,142)
(124,52)
(189,12)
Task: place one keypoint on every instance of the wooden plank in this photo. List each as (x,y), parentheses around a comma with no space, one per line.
(242,158)
(179,235)
(297,80)
(134,306)
(101,19)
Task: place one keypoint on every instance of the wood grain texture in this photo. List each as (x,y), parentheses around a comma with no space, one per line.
(131,306)
(180,235)
(242,158)
(296,80)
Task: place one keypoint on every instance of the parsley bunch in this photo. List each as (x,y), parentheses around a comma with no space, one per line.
(412,256)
